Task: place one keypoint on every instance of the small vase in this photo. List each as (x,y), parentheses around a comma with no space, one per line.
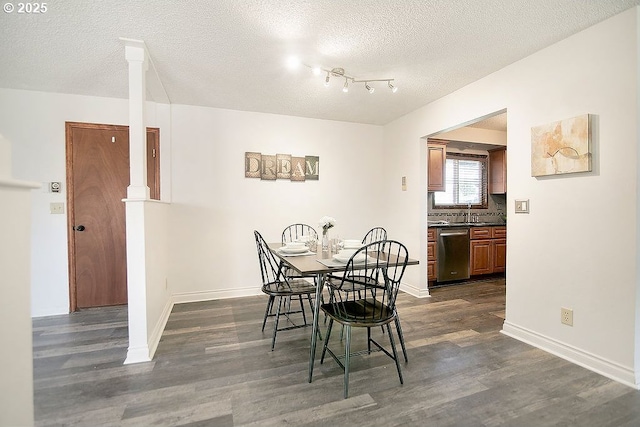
(325,240)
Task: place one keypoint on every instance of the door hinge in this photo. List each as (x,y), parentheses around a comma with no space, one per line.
(153,152)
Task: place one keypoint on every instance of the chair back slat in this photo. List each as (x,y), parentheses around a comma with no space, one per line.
(295,231)
(375,235)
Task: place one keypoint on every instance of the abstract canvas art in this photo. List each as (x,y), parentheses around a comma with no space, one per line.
(561,147)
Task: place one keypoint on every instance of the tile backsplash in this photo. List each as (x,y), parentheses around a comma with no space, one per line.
(496,211)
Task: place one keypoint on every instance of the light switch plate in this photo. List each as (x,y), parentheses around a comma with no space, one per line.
(56,208)
(522,206)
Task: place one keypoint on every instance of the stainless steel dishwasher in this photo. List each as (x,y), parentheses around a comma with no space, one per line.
(453,254)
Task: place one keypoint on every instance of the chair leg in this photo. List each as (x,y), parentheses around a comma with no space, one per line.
(275,324)
(369,340)
(304,316)
(347,361)
(401,338)
(266,313)
(313,311)
(395,353)
(326,342)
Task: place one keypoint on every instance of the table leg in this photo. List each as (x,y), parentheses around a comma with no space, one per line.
(316,316)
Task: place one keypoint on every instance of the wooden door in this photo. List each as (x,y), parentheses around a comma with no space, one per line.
(153,162)
(97,181)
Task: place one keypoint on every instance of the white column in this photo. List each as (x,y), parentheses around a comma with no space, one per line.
(137,194)
(138,65)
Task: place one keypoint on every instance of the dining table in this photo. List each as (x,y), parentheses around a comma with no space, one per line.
(318,263)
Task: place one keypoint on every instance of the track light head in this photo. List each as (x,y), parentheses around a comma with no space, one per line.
(345,88)
(392,87)
(369,88)
(326,81)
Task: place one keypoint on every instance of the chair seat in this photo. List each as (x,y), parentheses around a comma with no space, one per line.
(289,288)
(359,313)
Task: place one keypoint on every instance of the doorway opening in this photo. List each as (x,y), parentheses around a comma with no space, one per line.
(467,190)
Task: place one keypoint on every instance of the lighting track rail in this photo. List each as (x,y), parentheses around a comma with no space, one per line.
(340,74)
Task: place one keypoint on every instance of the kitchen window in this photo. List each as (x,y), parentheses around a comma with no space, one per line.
(466,182)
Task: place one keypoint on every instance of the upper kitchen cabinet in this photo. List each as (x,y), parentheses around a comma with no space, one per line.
(498,171)
(436,160)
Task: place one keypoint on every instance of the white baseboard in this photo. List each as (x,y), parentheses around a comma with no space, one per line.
(137,355)
(154,339)
(412,290)
(607,368)
(50,311)
(213,295)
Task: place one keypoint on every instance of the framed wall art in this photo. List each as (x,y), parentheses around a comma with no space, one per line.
(561,147)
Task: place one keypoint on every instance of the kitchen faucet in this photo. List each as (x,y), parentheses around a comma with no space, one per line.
(468,212)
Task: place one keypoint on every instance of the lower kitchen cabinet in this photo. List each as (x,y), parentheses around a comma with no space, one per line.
(431,254)
(499,255)
(488,251)
(481,257)
(488,248)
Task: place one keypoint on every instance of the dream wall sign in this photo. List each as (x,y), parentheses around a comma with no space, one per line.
(281,166)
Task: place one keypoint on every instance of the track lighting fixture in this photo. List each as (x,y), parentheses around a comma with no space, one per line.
(369,88)
(339,72)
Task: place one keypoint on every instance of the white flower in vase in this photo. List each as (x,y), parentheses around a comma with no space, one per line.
(327,222)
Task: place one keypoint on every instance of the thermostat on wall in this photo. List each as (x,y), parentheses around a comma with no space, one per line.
(55,187)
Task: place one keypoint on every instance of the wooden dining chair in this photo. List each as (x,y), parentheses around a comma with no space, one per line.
(281,289)
(377,269)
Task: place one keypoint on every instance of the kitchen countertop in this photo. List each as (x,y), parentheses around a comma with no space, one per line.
(465,224)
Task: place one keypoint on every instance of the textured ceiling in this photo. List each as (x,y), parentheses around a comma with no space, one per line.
(232,53)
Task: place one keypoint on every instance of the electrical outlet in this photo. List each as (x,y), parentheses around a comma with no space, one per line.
(566,316)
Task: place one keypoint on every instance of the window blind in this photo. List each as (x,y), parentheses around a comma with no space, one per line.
(466,182)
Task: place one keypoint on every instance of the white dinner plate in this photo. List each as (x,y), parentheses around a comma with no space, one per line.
(345,258)
(288,250)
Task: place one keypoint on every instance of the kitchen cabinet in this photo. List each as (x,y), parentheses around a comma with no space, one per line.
(436,164)
(431,254)
(488,247)
(498,171)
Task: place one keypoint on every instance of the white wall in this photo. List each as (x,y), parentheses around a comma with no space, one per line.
(35,123)
(578,246)
(215,208)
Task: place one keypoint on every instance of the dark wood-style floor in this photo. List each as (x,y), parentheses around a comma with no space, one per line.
(214,367)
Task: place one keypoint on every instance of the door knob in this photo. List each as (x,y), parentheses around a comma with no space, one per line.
(79,228)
